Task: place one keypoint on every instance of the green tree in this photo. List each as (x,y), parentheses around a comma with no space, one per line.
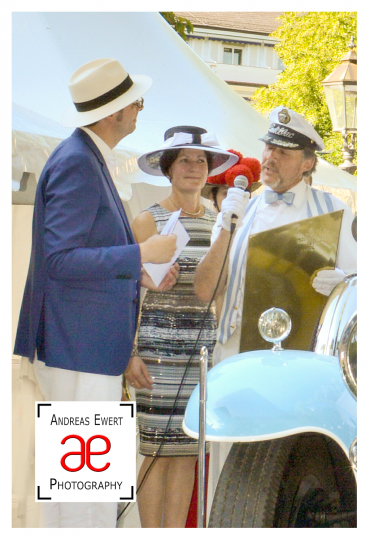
(179,24)
(311,46)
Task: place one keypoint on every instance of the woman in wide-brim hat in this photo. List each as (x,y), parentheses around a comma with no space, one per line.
(182,137)
(170,324)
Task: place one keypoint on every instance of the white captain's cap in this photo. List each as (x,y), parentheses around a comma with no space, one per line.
(290,130)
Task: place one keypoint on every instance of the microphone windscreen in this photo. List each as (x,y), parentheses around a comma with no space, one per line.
(241,182)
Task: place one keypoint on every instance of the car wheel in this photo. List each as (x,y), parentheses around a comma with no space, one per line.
(287,482)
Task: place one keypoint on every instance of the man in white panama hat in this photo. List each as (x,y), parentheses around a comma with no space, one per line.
(288,157)
(81,300)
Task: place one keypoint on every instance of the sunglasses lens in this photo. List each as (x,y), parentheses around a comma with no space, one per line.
(139,103)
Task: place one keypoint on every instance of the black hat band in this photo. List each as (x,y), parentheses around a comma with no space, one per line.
(191,130)
(292,136)
(113,94)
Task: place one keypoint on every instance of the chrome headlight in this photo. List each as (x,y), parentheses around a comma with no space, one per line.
(347,354)
(274,326)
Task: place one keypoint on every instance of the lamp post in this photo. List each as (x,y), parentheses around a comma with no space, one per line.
(340,89)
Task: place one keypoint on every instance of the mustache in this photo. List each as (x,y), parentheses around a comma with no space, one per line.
(269,165)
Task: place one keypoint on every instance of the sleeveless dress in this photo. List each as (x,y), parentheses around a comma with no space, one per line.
(170,323)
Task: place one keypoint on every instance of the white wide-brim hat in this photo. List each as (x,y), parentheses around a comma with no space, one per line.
(100,88)
(188,137)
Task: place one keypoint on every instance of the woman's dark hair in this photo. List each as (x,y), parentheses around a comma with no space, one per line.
(169,156)
(214,192)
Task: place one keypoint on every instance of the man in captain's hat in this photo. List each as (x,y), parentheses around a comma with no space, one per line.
(79,311)
(288,157)
(287,160)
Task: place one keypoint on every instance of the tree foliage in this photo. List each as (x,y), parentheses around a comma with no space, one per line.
(311,46)
(179,24)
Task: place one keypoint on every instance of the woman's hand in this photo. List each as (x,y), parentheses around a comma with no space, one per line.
(170,278)
(167,283)
(137,374)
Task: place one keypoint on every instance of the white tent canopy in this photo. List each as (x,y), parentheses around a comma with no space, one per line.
(48,47)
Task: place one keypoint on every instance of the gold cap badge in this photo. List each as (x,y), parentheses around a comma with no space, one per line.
(283,116)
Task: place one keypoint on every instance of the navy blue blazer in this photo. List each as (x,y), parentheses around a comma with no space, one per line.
(81,299)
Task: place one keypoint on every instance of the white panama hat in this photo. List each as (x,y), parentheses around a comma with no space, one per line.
(100,88)
(180,137)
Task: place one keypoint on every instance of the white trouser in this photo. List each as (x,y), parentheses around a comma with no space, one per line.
(65,385)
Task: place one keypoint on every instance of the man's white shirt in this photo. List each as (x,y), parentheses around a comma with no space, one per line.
(110,157)
(277,214)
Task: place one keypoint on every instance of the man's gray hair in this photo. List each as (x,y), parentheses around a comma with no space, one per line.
(309,153)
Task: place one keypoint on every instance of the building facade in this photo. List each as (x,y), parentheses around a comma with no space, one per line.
(237,46)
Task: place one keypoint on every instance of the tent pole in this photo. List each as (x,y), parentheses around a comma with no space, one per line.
(201,519)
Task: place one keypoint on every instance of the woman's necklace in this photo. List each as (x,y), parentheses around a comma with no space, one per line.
(184,211)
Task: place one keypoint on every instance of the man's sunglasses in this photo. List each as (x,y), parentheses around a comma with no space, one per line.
(139,103)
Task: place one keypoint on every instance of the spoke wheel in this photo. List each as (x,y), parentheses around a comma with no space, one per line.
(278,483)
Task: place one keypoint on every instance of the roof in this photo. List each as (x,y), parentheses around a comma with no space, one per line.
(260,22)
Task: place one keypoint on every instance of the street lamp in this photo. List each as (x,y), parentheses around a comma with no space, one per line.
(340,89)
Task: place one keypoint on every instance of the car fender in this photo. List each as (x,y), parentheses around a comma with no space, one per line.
(261,395)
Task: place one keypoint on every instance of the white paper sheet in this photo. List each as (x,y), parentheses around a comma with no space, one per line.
(157,272)
(171,223)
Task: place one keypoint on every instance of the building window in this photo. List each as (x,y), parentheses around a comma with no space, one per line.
(227,56)
(237,57)
(232,56)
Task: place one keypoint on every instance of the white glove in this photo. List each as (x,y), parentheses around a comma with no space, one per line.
(235,203)
(326,280)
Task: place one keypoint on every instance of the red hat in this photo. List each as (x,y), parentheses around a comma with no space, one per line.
(249,167)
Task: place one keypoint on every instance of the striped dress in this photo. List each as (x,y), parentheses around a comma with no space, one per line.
(170,324)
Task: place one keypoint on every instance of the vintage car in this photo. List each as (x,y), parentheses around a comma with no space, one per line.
(291,416)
